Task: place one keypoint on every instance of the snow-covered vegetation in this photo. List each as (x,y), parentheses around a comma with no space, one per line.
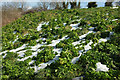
(69,43)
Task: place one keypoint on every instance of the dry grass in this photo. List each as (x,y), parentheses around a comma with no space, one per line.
(10,15)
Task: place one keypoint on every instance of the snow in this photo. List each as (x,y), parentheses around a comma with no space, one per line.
(14,32)
(101,67)
(54,42)
(107,13)
(43,65)
(84,35)
(91,29)
(3,52)
(35,67)
(75,43)
(115,7)
(32,61)
(114,19)
(21,53)
(76,20)
(58,50)
(55,19)
(87,47)
(15,40)
(4,55)
(75,26)
(36,46)
(33,54)
(104,40)
(15,50)
(64,24)
(75,59)
(40,25)
(77,78)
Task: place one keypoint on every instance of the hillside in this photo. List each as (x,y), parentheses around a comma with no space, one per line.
(63,44)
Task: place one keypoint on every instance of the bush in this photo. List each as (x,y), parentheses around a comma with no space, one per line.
(32,43)
(108,4)
(92,4)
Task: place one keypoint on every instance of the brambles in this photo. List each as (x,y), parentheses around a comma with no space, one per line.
(32,43)
(28,53)
(44,56)
(64,52)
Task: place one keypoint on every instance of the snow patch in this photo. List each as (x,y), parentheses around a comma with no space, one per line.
(115,7)
(15,50)
(101,67)
(54,42)
(75,26)
(91,29)
(14,32)
(114,19)
(4,55)
(40,25)
(64,24)
(32,61)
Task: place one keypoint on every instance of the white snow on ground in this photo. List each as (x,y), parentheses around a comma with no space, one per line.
(75,26)
(114,19)
(54,42)
(58,50)
(91,29)
(84,35)
(15,40)
(81,37)
(55,19)
(75,43)
(32,61)
(107,13)
(33,54)
(101,67)
(21,53)
(75,59)
(87,47)
(14,32)
(40,25)
(76,20)
(3,52)
(64,24)
(114,7)
(43,65)
(4,56)
(77,78)
(36,47)
(15,50)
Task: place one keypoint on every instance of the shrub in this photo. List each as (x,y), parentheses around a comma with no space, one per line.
(92,4)
(108,4)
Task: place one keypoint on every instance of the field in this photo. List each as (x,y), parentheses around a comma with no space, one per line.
(63,44)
